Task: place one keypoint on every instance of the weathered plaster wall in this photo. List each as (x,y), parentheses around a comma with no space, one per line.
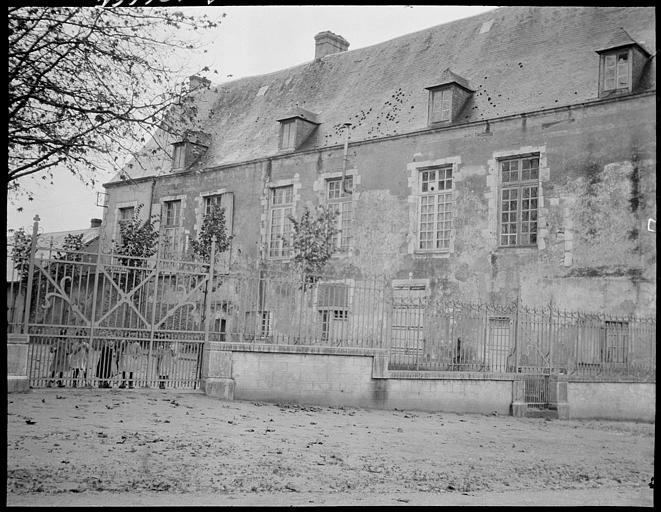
(598,183)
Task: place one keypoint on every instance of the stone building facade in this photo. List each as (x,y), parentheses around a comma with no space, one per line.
(510,154)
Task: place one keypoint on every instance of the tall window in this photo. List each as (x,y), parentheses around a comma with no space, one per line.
(124,215)
(171,232)
(519,194)
(616,71)
(441,105)
(435,213)
(288,134)
(280,227)
(340,201)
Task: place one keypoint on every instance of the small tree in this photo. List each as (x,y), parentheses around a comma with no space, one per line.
(314,241)
(138,240)
(213,224)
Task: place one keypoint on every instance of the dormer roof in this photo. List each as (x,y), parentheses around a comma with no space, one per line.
(299,113)
(448,77)
(621,39)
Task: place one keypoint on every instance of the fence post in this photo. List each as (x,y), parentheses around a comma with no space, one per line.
(203,358)
(94,299)
(486,336)
(28,290)
(153,319)
(516,334)
(207,292)
(552,332)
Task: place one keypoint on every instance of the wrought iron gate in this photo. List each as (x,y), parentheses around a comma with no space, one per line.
(108,320)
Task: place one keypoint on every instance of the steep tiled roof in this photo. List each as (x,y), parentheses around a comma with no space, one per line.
(517,59)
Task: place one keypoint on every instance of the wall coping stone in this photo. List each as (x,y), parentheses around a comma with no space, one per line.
(444,375)
(17,339)
(606,380)
(296,349)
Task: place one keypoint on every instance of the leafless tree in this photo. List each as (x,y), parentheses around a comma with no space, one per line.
(87,85)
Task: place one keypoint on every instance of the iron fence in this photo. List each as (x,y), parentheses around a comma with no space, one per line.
(162,310)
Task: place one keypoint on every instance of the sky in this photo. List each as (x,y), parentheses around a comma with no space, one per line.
(251,40)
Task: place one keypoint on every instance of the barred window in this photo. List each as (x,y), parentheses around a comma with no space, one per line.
(280,227)
(435,211)
(519,195)
(615,343)
(340,201)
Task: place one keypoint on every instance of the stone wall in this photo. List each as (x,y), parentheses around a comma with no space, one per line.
(358,377)
(597,184)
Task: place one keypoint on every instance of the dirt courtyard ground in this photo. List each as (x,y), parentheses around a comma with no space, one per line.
(87,447)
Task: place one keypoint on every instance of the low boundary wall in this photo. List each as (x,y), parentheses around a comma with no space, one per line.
(612,400)
(351,377)
(17,363)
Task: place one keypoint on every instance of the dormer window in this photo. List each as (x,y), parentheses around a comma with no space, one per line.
(189,149)
(616,71)
(441,105)
(179,156)
(296,128)
(621,65)
(448,98)
(288,134)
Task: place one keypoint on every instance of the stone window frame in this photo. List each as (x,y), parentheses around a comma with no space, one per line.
(200,207)
(223,263)
(492,196)
(320,187)
(520,185)
(267,209)
(118,207)
(181,233)
(438,197)
(414,200)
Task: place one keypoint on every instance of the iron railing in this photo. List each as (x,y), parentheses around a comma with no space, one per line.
(175,306)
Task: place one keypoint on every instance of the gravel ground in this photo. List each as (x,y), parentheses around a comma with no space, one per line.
(153,447)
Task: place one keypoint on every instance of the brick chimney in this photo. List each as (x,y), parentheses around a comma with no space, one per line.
(95,223)
(198,82)
(327,43)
